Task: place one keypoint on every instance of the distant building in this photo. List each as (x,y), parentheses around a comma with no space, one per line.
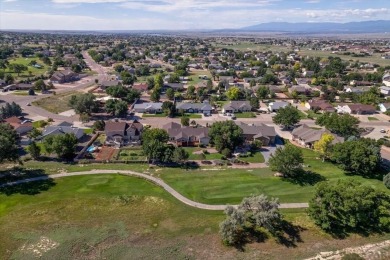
(64,76)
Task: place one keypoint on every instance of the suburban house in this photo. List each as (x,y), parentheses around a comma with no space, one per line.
(20,126)
(302,89)
(385,90)
(174,86)
(357,109)
(320,105)
(19,86)
(275,106)
(150,107)
(237,107)
(64,76)
(384,107)
(306,136)
(108,83)
(386,80)
(204,108)
(120,133)
(187,136)
(63,128)
(357,90)
(265,134)
(141,87)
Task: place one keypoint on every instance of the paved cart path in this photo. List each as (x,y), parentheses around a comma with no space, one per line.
(155,180)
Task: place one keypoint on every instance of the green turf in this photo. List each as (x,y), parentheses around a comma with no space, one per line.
(371,118)
(154,115)
(25,61)
(88,131)
(245,115)
(57,103)
(86,211)
(253,158)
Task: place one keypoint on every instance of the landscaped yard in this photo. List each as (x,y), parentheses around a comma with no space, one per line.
(26,61)
(195,154)
(253,158)
(128,154)
(302,115)
(55,104)
(371,118)
(245,115)
(312,114)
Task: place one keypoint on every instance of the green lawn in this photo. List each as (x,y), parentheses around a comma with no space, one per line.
(20,93)
(78,214)
(131,155)
(88,131)
(255,158)
(120,217)
(245,115)
(371,118)
(302,115)
(25,61)
(154,115)
(312,114)
(208,156)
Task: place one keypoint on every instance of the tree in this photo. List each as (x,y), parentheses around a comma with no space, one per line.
(253,213)
(190,92)
(99,125)
(158,81)
(262,92)
(170,94)
(233,93)
(349,206)
(324,146)
(117,108)
(226,134)
(17,68)
(180,155)
(386,180)
(287,117)
(117,91)
(155,96)
(31,92)
(344,125)
(287,160)
(64,145)
(84,103)
(169,108)
(40,85)
(185,120)
(34,133)
(254,101)
(8,143)
(127,78)
(34,150)
(360,156)
(154,145)
(10,110)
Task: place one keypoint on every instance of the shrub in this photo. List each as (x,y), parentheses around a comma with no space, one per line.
(386,180)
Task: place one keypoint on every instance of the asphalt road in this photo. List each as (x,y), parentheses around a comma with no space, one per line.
(37,111)
(155,180)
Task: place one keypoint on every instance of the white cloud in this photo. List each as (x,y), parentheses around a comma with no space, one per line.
(86,1)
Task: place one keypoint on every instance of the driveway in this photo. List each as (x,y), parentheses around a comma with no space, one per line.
(267,151)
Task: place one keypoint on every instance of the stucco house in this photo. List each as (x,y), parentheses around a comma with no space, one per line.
(123,132)
(237,107)
(187,136)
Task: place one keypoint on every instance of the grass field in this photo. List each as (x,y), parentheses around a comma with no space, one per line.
(254,158)
(26,61)
(197,156)
(118,217)
(371,118)
(194,76)
(55,104)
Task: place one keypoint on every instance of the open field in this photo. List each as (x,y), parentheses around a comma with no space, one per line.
(26,61)
(375,58)
(243,46)
(194,75)
(118,217)
(55,104)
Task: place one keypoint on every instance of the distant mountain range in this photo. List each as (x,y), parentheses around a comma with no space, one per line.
(380,26)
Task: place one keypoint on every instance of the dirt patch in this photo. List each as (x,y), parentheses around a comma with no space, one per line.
(38,249)
(369,251)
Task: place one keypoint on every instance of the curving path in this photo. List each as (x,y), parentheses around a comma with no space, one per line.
(155,180)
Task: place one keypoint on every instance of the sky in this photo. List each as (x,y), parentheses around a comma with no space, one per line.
(180,14)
